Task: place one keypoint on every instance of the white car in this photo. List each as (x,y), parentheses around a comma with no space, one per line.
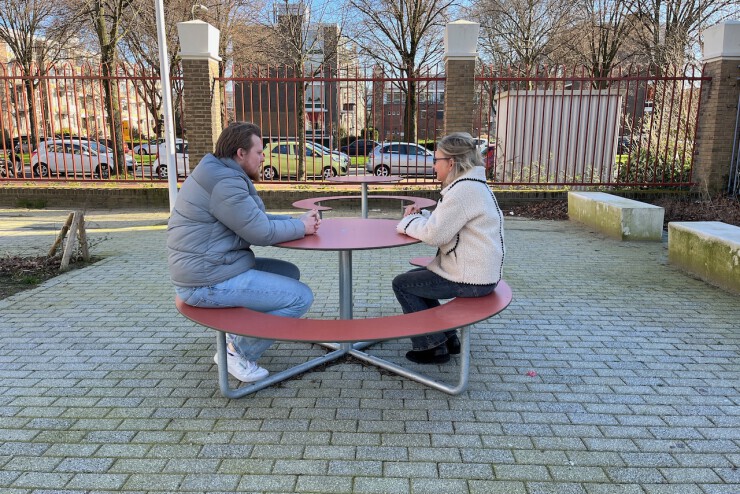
(182,161)
(73,157)
(156,146)
(401,158)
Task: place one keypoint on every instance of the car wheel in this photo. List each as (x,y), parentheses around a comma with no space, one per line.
(269,173)
(103,171)
(41,170)
(329,172)
(382,170)
(162,172)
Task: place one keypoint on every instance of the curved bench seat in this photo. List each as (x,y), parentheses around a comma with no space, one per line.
(315,202)
(457,313)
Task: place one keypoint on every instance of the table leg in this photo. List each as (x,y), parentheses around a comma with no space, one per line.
(364,200)
(345,284)
(345,290)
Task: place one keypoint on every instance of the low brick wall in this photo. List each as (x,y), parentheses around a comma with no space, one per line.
(123,197)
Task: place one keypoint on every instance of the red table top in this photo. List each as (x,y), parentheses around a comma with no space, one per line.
(365,179)
(352,234)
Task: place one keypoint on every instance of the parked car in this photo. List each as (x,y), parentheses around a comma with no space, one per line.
(148,147)
(342,157)
(109,144)
(281,160)
(182,162)
(489,158)
(101,148)
(482,144)
(66,156)
(360,147)
(155,146)
(401,158)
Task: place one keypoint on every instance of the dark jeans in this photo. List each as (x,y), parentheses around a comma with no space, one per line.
(420,289)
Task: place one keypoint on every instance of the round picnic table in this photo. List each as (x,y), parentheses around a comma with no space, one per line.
(345,235)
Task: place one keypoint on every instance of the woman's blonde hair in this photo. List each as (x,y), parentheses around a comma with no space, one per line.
(460,146)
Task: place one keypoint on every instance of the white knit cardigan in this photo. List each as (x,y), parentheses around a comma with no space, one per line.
(466,227)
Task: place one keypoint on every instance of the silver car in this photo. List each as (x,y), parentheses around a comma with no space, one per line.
(401,158)
(73,157)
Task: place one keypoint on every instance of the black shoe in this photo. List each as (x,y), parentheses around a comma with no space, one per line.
(453,345)
(436,355)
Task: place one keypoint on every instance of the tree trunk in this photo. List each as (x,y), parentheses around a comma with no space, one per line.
(31,110)
(112,106)
(300,107)
(411,107)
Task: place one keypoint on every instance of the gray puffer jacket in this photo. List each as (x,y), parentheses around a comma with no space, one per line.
(217,217)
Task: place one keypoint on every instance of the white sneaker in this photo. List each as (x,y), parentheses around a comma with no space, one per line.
(244,370)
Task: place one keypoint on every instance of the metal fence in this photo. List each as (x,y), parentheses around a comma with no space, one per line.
(558,126)
(82,123)
(548,127)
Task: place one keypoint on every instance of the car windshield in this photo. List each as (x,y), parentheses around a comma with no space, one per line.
(318,146)
(96,146)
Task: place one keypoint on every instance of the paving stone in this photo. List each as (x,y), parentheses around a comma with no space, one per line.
(375,485)
(323,484)
(632,395)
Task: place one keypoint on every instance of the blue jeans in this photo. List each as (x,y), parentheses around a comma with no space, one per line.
(420,289)
(272,287)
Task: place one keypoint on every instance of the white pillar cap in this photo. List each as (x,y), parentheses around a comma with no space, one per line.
(198,40)
(461,40)
(722,41)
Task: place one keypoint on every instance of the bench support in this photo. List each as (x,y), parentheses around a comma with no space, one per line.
(223,372)
(338,351)
(463,364)
(349,337)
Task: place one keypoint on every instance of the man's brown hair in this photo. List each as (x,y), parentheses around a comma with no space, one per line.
(236,135)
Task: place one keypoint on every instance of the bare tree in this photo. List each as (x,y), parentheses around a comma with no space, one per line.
(106,20)
(37,33)
(672,28)
(233,18)
(522,32)
(403,36)
(608,25)
(140,45)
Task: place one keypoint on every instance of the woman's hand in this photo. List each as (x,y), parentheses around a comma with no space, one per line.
(411,209)
(311,221)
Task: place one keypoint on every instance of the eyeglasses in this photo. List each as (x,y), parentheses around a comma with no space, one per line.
(434,160)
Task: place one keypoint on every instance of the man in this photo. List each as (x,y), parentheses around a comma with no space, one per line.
(217,217)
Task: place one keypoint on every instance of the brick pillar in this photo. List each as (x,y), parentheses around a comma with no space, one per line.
(201,92)
(460,42)
(718,107)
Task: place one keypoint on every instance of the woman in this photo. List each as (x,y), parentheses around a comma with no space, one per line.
(467,229)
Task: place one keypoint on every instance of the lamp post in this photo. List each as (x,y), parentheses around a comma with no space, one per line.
(164,74)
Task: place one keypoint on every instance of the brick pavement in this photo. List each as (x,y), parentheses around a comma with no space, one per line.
(611,372)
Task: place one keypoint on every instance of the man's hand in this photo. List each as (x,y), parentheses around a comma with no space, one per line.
(311,221)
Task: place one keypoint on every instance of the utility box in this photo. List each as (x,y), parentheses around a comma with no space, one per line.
(557,134)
